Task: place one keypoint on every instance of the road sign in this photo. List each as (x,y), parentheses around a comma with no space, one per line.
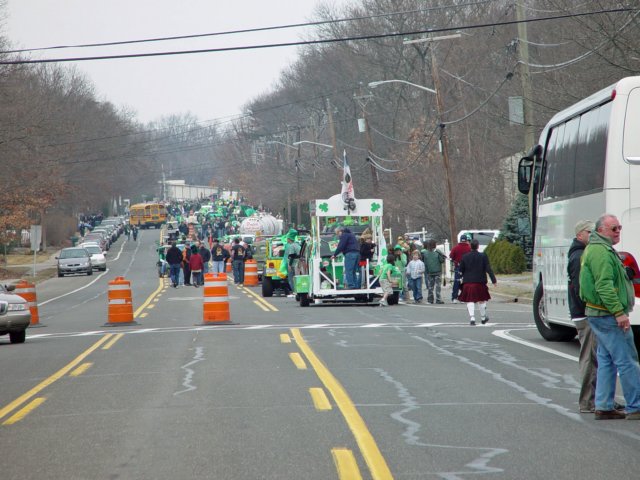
(35,236)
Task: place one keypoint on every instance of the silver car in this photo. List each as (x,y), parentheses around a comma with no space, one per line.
(74,260)
(98,259)
(15,316)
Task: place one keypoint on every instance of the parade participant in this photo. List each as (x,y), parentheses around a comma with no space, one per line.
(433,260)
(219,257)
(609,297)
(400,262)
(415,270)
(206,257)
(186,255)
(456,254)
(135,233)
(367,251)
(587,358)
(174,259)
(238,257)
(348,246)
(195,265)
(386,272)
(291,256)
(474,268)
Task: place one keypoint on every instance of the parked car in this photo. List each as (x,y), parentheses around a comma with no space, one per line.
(98,259)
(15,316)
(74,260)
(98,238)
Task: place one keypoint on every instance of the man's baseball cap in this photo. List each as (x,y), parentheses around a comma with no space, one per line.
(587,225)
(464,238)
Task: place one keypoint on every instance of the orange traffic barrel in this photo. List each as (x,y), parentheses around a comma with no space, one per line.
(27,290)
(250,273)
(120,303)
(229,267)
(215,307)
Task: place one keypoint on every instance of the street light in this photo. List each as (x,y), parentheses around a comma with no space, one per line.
(281,143)
(312,143)
(380,82)
(444,145)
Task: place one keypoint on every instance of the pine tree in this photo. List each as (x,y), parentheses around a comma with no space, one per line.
(516,227)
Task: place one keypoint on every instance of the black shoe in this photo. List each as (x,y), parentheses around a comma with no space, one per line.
(440,302)
(472,323)
(485,320)
(610,415)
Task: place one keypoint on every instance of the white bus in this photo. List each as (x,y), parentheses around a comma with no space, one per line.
(587,163)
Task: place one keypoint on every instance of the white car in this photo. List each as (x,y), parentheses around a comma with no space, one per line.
(98,259)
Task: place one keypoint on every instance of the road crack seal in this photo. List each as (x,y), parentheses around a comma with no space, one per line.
(478,465)
(189,373)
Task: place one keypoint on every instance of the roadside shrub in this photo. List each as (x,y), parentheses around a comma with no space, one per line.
(506,257)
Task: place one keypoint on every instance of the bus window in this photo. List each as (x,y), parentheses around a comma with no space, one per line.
(631,149)
(592,150)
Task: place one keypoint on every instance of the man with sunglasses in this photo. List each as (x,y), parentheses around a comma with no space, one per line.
(609,297)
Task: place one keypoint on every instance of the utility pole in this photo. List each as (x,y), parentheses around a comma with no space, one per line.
(298,197)
(525,78)
(444,147)
(362,101)
(332,129)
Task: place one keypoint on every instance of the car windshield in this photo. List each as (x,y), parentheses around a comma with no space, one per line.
(73,253)
(93,250)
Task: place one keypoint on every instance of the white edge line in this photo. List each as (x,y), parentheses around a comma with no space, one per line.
(507,336)
(88,284)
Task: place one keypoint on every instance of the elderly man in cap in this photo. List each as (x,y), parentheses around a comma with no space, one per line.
(456,254)
(587,358)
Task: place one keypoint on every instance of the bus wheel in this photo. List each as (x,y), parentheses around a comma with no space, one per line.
(549,331)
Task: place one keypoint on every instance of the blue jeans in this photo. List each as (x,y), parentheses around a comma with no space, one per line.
(238,271)
(351,260)
(218,266)
(415,284)
(205,268)
(174,273)
(455,290)
(616,353)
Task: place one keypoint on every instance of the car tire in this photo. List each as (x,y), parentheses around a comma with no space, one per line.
(304,299)
(18,337)
(60,274)
(393,298)
(549,331)
(90,272)
(267,287)
(104,269)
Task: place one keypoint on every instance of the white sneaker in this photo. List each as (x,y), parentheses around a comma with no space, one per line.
(455,300)
(383,304)
(291,295)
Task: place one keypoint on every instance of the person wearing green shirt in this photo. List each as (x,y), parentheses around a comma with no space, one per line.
(291,256)
(387,270)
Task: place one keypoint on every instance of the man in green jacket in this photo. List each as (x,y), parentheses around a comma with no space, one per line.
(609,297)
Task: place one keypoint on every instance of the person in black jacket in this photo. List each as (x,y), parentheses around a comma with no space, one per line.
(174,259)
(474,268)
(587,360)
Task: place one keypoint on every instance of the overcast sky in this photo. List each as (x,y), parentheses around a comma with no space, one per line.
(209,85)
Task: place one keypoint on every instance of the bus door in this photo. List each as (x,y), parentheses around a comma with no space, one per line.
(631,154)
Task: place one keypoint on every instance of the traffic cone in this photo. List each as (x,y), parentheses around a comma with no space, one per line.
(250,273)
(27,290)
(215,309)
(120,303)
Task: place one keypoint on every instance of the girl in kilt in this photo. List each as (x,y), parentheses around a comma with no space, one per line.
(474,268)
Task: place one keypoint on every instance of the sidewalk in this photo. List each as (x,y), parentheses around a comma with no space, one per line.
(11,274)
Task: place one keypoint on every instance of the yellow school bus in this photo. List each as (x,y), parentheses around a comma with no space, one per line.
(145,215)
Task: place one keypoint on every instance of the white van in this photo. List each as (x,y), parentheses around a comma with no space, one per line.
(484,237)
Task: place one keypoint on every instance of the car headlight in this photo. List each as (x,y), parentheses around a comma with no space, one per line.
(17,307)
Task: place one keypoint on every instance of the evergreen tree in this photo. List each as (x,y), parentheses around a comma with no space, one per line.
(516,227)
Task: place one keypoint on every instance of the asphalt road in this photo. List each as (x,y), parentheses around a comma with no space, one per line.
(285,392)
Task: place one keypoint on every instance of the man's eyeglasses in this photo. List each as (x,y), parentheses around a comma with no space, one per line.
(616,228)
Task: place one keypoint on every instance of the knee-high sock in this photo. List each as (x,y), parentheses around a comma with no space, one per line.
(483,309)
(470,307)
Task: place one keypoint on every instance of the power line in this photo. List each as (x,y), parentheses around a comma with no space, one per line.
(313,42)
(247,30)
